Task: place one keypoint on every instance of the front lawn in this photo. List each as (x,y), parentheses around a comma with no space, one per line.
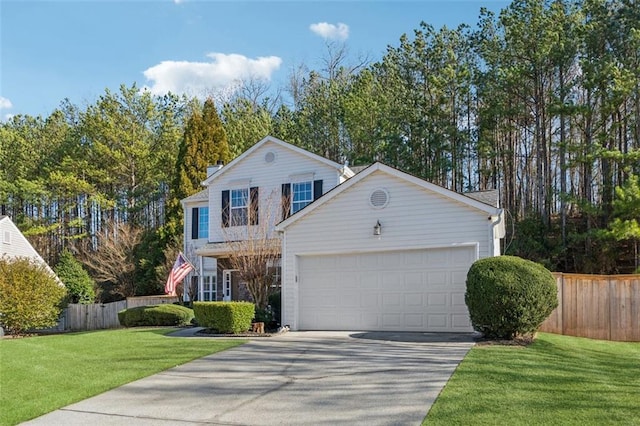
(41,374)
(557,380)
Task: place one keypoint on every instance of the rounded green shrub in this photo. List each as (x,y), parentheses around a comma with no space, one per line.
(30,296)
(80,286)
(508,296)
(164,315)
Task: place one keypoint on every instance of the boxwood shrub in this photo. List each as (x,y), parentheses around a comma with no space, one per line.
(167,314)
(508,296)
(224,317)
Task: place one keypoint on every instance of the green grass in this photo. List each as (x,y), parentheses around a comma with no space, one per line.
(41,374)
(557,380)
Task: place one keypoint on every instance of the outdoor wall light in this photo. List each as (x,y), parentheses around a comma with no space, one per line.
(377,229)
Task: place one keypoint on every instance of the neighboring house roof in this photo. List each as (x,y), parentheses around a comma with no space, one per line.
(490,197)
(358,169)
(14,244)
(197,197)
(346,171)
(469,201)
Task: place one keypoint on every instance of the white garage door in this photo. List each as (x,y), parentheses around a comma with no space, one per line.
(410,290)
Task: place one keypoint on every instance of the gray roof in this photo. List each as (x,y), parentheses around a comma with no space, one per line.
(358,169)
(490,197)
(198,196)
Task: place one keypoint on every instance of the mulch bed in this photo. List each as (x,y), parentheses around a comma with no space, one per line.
(517,341)
(214,333)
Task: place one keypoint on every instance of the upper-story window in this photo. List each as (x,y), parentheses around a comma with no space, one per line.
(199,223)
(240,207)
(203,222)
(297,195)
(301,194)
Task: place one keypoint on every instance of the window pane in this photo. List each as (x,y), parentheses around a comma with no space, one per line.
(203,222)
(239,205)
(239,197)
(302,195)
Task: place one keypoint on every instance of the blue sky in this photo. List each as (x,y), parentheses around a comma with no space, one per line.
(52,50)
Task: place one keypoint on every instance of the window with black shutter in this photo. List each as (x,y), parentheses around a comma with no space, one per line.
(226,209)
(194,223)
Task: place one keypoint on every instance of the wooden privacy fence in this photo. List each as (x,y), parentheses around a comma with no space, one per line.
(603,307)
(101,316)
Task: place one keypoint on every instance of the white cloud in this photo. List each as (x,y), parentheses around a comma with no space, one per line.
(200,78)
(178,1)
(331,31)
(5,103)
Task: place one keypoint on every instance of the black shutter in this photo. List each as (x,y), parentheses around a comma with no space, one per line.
(253,208)
(226,209)
(317,189)
(194,223)
(286,200)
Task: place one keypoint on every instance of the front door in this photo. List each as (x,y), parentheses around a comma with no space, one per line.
(228,289)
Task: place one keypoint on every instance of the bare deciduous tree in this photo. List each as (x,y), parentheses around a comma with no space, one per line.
(255,249)
(114,261)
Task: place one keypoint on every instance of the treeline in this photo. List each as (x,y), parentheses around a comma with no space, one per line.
(541,101)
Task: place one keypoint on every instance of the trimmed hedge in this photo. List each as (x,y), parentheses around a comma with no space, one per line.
(156,315)
(224,317)
(508,296)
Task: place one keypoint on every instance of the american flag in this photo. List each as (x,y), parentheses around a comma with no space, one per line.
(180,269)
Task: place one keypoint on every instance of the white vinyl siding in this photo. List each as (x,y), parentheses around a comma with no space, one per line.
(269,177)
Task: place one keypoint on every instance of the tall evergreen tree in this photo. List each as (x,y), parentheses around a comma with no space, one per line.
(204,144)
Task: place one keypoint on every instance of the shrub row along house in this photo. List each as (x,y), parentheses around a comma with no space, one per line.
(374,250)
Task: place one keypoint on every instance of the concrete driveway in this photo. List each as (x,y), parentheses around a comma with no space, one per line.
(319,378)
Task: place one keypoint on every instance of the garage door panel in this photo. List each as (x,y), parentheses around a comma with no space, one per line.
(460,321)
(390,260)
(390,280)
(391,321)
(416,290)
(438,321)
(370,301)
(391,300)
(349,299)
(437,299)
(367,263)
(414,321)
(414,300)
(413,281)
(369,280)
(457,300)
(437,258)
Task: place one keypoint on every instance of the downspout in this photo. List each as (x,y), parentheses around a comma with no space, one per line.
(492,233)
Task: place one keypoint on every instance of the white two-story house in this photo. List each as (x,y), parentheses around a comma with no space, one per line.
(257,190)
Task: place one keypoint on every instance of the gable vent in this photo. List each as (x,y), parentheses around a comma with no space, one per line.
(379,198)
(270,157)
